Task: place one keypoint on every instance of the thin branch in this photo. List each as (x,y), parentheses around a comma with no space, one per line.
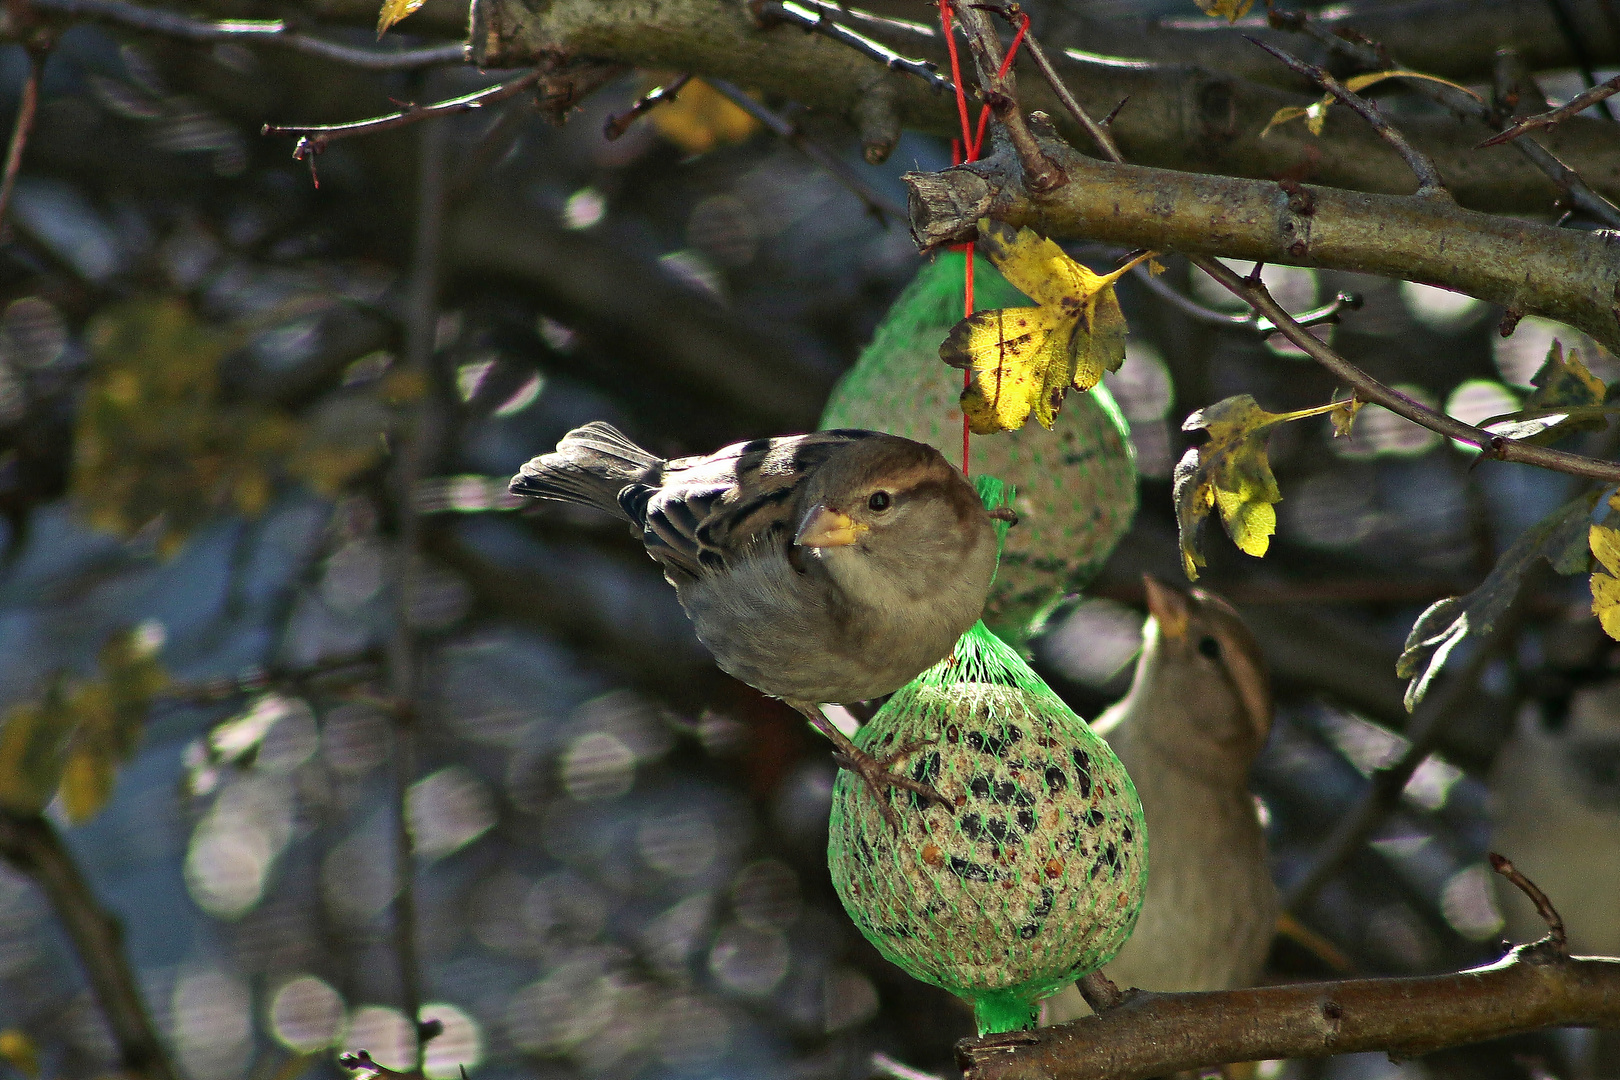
(1373,57)
(618,123)
(1370,389)
(878,205)
(254,31)
(1158,1034)
(1575,105)
(1429,182)
(1000,91)
(769,12)
(21,128)
(1383,793)
(31,844)
(1099,132)
(358,666)
(314,139)
(1244,320)
(1556,936)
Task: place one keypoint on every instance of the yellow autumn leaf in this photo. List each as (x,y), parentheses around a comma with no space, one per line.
(1230,473)
(701,118)
(1025,360)
(19,1051)
(393,11)
(1605,545)
(1315,114)
(1230,10)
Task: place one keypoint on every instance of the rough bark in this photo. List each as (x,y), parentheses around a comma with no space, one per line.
(1159,1034)
(1179,116)
(1562,274)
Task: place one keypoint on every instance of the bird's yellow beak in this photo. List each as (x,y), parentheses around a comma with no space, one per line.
(828,528)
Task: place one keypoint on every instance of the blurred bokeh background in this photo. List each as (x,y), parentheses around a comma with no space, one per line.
(206,372)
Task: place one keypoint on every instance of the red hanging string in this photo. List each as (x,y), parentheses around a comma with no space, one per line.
(967,149)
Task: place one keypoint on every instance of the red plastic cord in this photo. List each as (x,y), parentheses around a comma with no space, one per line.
(967,149)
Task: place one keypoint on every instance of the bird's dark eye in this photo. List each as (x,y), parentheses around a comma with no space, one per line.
(879,501)
(1209,647)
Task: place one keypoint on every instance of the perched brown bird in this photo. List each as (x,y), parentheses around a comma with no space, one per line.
(1196,717)
(831,567)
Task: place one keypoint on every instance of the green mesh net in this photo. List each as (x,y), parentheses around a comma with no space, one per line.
(1033,877)
(1076,483)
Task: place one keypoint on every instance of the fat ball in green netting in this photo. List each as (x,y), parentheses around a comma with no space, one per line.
(1034,873)
(1076,483)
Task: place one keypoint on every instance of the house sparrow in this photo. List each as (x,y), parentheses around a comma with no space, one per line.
(1196,717)
(831,567)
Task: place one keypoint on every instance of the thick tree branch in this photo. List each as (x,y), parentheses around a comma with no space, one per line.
(1451,38)
(1180,116)
(1531,269)
(30,844)
(1157,1034)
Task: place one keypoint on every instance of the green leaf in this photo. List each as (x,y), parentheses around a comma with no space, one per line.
(1560,538)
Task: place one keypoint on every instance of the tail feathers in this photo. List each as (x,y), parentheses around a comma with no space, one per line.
(590,466)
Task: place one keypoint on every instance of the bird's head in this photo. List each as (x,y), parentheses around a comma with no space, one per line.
(883,505)
(1198,654)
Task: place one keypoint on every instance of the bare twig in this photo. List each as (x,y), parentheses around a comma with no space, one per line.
(1370,389)
(1374,57)
(1556,936)
(27,108)
(1383,793)
(1158,1034)
(1244,320)
(877,205)
(312,140)
(1579,103)
(30,844)
(818,20)
(1099,132)
(618,123)
(1429,182)
(249,32)
(1000,91)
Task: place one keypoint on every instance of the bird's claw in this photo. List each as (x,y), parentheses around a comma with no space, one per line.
(874,773)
